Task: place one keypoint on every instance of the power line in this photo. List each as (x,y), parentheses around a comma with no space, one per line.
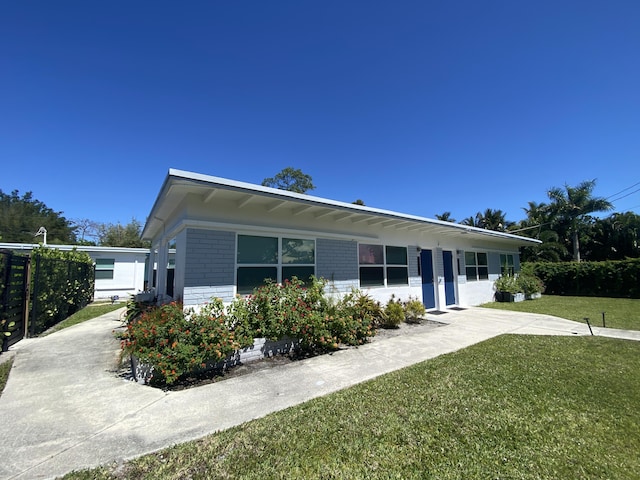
(628,188)
(624,196)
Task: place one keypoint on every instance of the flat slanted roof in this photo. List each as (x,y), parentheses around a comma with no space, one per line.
(179,183)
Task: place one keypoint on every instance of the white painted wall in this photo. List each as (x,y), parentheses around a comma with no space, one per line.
(128,275)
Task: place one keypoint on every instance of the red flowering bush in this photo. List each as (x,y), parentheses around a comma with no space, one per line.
(176,342)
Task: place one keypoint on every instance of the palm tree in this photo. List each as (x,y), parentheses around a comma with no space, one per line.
(572,205)
(469,221)
(446,217)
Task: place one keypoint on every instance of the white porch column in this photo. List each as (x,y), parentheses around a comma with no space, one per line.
(151,266)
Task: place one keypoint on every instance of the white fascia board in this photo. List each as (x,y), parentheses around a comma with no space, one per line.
(80,248)
(224,183)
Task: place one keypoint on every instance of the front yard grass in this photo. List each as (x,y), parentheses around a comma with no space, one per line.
(526,407)
(621,313)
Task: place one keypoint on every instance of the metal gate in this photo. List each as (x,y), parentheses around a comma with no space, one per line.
(14,292)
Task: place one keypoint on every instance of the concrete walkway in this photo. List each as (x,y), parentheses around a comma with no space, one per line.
(64,408)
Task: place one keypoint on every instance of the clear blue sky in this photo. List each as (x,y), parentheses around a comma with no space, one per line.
(415,106)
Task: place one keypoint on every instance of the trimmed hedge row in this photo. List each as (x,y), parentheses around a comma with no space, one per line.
(614,278)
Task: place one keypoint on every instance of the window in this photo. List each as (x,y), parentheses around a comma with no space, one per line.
(476,266)
(506,264)
(278,259)
(104,268)
(376,260)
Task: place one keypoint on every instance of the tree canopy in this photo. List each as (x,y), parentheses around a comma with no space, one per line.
(572,205)
(22,216)
(116,235)
(291,179)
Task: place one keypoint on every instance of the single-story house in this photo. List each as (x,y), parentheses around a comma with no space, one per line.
(119,271)
(229,236)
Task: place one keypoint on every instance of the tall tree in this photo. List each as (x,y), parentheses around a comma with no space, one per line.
(116,235)
(22,216)
(291,179)
(572,205)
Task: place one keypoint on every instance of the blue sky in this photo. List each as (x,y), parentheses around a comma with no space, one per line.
(415,106)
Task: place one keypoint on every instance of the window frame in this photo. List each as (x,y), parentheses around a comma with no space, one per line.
(107,268)
(280,266)
(379,271)
(506,267)
(479,271)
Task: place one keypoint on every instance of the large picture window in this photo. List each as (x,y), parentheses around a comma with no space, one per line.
(476,266)
(382,265)
(274,258)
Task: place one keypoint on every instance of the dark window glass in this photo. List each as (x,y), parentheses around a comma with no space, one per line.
(396,255)
(469,258)
(253,277)
(302,273)
(252,249)
(371,276)
(397,276)
(483,273)
(471,273)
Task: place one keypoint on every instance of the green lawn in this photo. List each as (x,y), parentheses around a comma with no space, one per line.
(621,313)
(524,407)
(87,313)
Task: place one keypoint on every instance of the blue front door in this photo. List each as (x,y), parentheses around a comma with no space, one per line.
(426,267)
(449,286)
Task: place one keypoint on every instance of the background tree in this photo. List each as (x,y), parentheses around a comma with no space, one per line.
(293,180)
(358,202)
(572,205)
(86,231)
(469,221)
(611,238)
(489,219)
(445,217)
(22,216)
(116,235)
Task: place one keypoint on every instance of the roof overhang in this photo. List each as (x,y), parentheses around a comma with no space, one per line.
(178,184)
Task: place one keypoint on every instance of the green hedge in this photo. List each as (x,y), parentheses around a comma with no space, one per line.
(61,284)
(614,278)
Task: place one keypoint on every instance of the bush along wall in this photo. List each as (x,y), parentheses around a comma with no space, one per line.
(170,342)
(615,278)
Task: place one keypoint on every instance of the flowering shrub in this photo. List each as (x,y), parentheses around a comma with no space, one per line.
(177,342)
